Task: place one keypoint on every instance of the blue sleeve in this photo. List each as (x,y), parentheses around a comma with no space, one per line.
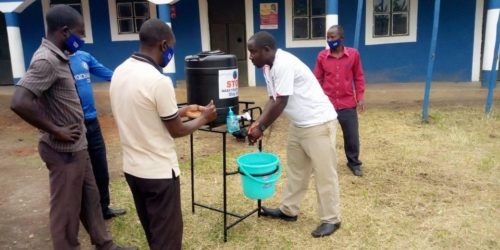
(97,69)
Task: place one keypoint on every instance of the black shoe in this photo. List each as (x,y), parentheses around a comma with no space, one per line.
(325,229)
(276,214)
(356,170)
(110,213)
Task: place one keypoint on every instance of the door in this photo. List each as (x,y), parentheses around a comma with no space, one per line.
(5,65)
(227,32)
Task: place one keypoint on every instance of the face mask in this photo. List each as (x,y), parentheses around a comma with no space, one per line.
(334,44)
(167,56)
(73,43)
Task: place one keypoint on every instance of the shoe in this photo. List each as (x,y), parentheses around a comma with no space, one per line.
(325,229)
(356,170)
(110,213)
(126,248)
(276,214)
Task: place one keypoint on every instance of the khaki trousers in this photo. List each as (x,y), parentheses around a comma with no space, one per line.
(310,151)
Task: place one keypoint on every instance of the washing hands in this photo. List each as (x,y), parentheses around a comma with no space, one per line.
(254,133)
(194,110)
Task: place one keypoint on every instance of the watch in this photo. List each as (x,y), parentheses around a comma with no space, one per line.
(262,127)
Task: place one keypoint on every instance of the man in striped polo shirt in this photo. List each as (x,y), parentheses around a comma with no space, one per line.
(46,98)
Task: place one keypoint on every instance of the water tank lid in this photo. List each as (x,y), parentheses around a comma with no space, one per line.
(211,59)
(211,53)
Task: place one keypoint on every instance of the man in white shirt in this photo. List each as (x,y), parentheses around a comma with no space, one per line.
(294,90)
(145,110)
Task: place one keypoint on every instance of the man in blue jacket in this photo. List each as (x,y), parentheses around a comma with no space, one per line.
(82,65)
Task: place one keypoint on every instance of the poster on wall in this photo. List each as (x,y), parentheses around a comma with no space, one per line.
(269,16)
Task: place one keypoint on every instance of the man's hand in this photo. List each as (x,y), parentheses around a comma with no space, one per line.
(194,111)
(25,104)
(254,133)
(361,106)
(177,128)
(69,133)
(209,113)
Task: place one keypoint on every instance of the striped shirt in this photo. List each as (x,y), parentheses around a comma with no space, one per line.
(50,79)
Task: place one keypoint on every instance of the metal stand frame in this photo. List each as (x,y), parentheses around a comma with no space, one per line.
(222,130)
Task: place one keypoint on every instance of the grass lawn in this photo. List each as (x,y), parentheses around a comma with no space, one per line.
(426,186)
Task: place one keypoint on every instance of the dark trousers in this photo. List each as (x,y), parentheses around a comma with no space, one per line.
(97,152)
(348,119)
(73,198)
(158,205)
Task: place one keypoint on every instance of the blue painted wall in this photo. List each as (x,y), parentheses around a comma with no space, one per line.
(399,62)
(32,29)
(403,62)
(279,34)
(455,40)
(186,27)
(407,62)
(107,52)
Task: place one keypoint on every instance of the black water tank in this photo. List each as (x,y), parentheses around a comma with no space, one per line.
(213,75)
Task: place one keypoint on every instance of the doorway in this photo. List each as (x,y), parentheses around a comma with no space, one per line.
(5,65)
(227,32)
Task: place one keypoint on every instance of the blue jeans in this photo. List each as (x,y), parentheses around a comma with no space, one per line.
(97,153)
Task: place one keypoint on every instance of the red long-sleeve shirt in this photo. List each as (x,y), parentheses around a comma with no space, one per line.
(336,76)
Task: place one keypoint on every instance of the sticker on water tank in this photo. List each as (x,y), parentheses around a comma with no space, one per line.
(228,83)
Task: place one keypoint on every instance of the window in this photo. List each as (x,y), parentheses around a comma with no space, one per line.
(131,15)
(75,4)
(82,6)
(391,21)
(127,16)
(390,17)
(308,19)
(305,23)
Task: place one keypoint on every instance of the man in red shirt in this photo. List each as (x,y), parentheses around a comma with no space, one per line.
(340,74)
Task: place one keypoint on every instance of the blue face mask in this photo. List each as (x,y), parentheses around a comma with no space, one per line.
(167,56)
(334,44)
(73,43)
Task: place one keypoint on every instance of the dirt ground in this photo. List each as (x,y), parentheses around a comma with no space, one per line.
(24,195)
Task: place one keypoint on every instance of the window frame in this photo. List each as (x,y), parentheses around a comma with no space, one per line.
(113,22)
(391,13)
(371,39)
(300,43)
(86,19)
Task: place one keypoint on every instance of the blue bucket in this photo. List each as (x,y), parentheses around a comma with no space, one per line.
(259,173)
